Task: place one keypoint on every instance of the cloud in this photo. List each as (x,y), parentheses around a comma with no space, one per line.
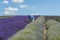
(5,2)
(28,7)
(10,10)
(18,1)
(35,14)
(24,6)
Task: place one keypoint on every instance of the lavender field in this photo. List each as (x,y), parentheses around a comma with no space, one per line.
(10,25)
(42,28)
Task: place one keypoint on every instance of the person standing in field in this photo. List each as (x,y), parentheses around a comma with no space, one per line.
(30,18)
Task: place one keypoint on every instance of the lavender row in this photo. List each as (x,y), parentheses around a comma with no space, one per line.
(9,26)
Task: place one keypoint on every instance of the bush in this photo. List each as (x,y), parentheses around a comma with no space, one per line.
(54,32)
(50,22)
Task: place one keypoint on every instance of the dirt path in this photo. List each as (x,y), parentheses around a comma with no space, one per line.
(45,33)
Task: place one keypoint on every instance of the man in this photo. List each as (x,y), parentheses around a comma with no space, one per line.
(30,18)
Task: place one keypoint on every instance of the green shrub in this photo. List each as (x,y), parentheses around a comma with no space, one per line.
(54,32)
(50,22)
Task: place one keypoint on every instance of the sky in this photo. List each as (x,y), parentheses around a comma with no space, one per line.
(30,7)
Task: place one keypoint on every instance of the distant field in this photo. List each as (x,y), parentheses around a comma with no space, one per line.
(5,16)
(57,18)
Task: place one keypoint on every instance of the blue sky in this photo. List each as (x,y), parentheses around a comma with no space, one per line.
(28,7)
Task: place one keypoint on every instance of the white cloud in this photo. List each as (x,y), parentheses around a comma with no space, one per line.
(10,10)
(6,12)
(35,14)
(24,6)
(18,1)
(5,2)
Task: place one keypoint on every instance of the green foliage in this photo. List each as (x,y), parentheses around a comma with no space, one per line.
(50,22)
(33,31)
(5,16)
(54,32)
